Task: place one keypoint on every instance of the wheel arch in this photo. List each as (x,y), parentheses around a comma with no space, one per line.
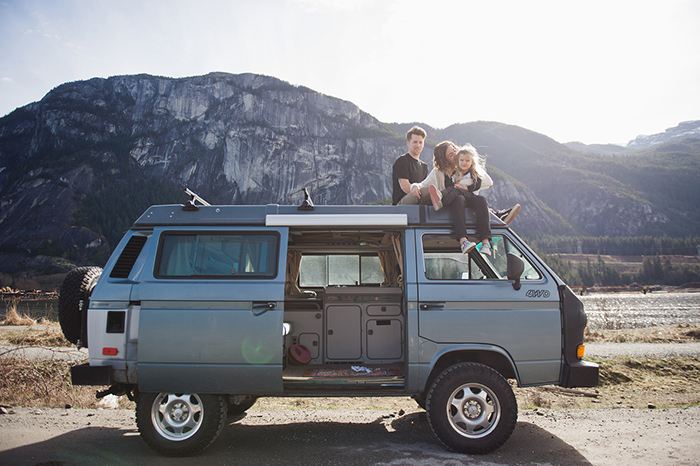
(492,356)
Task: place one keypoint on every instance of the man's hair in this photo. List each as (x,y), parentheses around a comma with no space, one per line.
(418,131)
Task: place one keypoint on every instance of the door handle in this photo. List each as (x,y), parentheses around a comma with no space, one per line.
(261,308)
(427,306)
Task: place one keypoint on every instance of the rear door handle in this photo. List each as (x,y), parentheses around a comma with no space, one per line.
(427,306)
(261,308)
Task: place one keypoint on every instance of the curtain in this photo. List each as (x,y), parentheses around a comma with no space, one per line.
(396,241)
(387,260)
(390,259)
(293,261)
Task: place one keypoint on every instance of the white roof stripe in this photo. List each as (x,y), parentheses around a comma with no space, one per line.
(336,220)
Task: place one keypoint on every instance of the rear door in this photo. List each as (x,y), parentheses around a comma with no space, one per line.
(211,313)
(467,301)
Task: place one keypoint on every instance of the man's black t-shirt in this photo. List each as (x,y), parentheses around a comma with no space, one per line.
(409,168)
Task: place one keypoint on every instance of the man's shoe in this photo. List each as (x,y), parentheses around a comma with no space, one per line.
(509,215)
(467,246)
(435,197)
(485,249)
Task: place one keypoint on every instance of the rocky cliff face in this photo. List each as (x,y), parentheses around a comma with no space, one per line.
(243,139)
(234,139)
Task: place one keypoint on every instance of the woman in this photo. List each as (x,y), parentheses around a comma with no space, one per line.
(439,181)
(443,192)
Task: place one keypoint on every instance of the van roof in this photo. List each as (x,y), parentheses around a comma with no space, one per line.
(344,216)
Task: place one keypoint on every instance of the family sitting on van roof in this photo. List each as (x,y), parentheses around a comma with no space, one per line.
(455,181)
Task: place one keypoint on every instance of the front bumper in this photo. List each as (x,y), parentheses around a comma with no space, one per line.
(580,374)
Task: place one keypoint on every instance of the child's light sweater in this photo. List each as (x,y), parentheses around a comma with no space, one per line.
(467,180)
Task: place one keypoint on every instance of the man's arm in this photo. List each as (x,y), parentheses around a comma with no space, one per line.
(405,185)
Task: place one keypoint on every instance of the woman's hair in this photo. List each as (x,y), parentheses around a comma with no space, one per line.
(440,157)
(477,168)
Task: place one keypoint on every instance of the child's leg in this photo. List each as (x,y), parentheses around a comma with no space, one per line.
(481,208)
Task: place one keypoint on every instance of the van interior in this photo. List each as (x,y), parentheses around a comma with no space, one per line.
(344,306)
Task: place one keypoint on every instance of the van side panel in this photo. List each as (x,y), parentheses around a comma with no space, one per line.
(525,323)
(210,335)
(418,368)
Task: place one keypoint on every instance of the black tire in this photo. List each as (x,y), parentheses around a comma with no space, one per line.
(420,399)
(177,424)
(74,297)
(471,408)
(240,408)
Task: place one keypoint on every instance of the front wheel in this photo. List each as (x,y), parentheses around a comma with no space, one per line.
(178,424)
(471,408)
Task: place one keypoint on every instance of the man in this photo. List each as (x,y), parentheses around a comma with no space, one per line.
(410,169)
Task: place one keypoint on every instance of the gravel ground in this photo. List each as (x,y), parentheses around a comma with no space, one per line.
(53,437)
(388,431)
(643,350)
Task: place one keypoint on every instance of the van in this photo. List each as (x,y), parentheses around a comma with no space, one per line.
(202,309)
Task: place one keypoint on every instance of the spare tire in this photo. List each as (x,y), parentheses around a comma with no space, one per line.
(74,298)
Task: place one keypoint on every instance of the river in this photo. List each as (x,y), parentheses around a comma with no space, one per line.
(604,310)
(638,310)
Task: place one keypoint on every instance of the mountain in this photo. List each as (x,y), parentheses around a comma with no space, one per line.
(597,148)
(77,167)
(684,130)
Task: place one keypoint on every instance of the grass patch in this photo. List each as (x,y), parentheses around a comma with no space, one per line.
(628,383)
(48,336)
(45,383)
(12,316)
(681,333)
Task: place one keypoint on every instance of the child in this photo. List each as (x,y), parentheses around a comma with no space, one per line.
(470,167)
(469,178)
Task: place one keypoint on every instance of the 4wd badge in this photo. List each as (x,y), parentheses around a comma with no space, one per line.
(537,293)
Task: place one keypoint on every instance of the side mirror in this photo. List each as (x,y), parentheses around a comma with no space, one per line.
(515,269)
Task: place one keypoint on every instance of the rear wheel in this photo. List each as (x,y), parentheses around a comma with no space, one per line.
(74,299)
(471,408)
(180,424)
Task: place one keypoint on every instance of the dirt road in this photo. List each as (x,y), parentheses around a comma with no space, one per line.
(30,436)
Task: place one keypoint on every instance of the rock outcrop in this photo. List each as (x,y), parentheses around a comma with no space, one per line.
(240,139)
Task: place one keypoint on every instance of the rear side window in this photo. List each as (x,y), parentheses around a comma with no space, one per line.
(221,255)
(340,270)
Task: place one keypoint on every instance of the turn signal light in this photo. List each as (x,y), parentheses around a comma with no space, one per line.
(580,349)
(109,351)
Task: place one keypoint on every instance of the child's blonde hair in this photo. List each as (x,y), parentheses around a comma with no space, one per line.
(477,169)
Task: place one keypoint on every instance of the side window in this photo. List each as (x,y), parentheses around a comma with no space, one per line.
(248,255)
(321,270)
(444,261)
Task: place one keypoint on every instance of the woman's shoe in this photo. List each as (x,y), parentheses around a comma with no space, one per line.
(435,197)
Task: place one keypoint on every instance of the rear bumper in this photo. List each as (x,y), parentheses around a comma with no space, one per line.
(580,374)
(84,374)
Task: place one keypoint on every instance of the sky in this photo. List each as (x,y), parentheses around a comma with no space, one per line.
(590,71)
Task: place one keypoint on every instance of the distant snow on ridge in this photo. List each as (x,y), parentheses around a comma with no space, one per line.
(686,129)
